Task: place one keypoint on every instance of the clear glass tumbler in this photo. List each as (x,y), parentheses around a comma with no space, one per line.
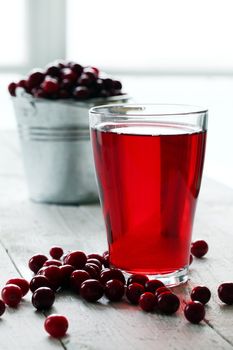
(149,162)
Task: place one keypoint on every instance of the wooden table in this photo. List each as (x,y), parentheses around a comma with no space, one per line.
(27,228)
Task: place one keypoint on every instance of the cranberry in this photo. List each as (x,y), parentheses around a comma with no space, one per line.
(91,290)
(66,271)
(153,285)
(69,74)
(199,248)
(114,290)
(77,278)
(39,93)
(225,293)
(76,258)
(93,271)
(11,295)
(104,93)
(81,92)
(137,278)
(108,83)
(94,261)
(91,72)
(11,88)
(43,298)
(201,294)
(133,292)
(35,79)
(96,256)
(56,325)
(77,68)
(95,70)
(2,307)
(85,80)
(194,311)
(39,281)
(53,273)
(50,85)
(161,290)
(53,71)
(53,262)
(106,259)
(63,94)
(147,301)
(36,262)
(21,283)
(56,252)
(110,274)
(23,84)
(190,259)
(168,303)
(117,85)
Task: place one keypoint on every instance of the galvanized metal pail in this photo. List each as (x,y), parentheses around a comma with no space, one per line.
(56,148)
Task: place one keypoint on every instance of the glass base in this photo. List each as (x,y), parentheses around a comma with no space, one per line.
(170,279)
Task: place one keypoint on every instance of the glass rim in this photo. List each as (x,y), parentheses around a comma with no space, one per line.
(146,110)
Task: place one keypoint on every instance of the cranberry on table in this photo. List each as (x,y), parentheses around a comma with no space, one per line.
(76,68)
(110,274)
(36,262)
(53,71)
(81,93)
(137,278)
(43,298)
(93,271)
(76,258)
(35,79)
(39,281)
(66,271)
(133,292)
(106,262)
(53,262)
(114,290)
(77,278)
(117,85)
(50,85)
(194,312)
(153,285)
(190,259)
(96,256)
(201,293)
(69,74)
(11,295)
(168,303)
(22,83)
(161,290)
(147,301)
(53,273)
(225,293)
(56,325)
(94,261)
(56,252)
(21,283)
(2,307)
(91,290)
(11,88)
(199,248)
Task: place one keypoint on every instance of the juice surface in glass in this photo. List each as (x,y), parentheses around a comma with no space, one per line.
(149,177)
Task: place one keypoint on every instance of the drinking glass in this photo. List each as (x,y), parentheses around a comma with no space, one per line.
(149,162)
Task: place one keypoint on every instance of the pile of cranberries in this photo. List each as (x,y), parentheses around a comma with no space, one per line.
(62,80)
(91,277)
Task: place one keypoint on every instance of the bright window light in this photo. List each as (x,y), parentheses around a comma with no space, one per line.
(151,35)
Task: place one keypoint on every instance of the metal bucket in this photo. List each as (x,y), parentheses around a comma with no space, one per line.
(56,148)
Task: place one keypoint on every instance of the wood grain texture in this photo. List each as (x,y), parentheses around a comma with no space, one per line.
(27,228)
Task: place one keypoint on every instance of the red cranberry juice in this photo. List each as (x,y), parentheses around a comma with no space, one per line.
(149,179)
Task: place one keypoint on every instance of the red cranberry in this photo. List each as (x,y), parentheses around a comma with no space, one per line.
(11,295)
(199,248)
(225,293)
(77,278)
(43,298)
(2,307)
(50,85)
(106,259)
(66,271)
(53,273)
(21,283)
(91,290)
(11,88)
(117,85)
(56,252)
(76,258)
(96,256)
(94,261)
(92,71)
(133,292)
(85,80)
(53,71)
(153,285)
(22,83)
(35,79)
(137,278)
(56,325)
(201,294)
(39,93)
(95,70)
(161,290)
(53,262)
(147,301)
(194,312)
(114,290)
(190,259)
(108,83)
(77,68)
(39,281)
(104,93)
(36,262)
(93,271)
(110,274)
(69,74)
(63,94)
(168,303)
(81,92)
